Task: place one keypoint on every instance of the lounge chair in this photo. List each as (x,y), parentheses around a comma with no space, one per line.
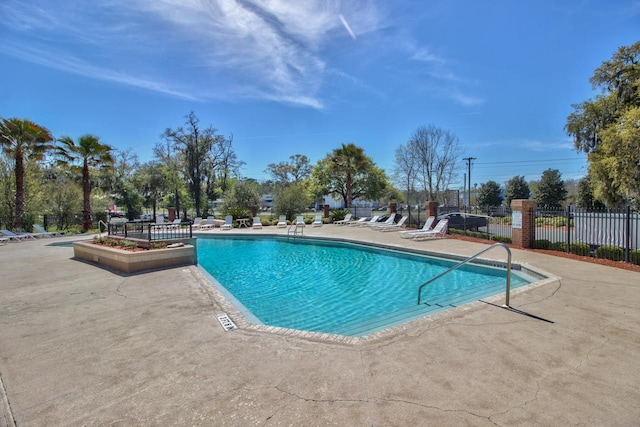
(228,223)
(344,221)
(282,221)
(4,240)
(392,227)
(175,224)
(256,222)
(44,233)
(388,221)
(372,221)
(439,231)
(357,222)
(197,222)
(428,224)
(211,222)
(300,221)
(317,222)
(17,237)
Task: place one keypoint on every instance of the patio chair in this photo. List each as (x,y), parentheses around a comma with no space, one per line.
(439,231)
(392,227)
(388,221)
(44,233)
(427,226)
(256,222)
(211,222)
(282,221)
(344,221)
(228,223)
(357,222)
(373,220)
(17,237)
(300,221)
(317,222)
(197,222)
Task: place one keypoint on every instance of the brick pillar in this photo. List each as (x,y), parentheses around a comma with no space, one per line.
(172,214)
(522,224)
(432,209)
(325,209)
(393,207)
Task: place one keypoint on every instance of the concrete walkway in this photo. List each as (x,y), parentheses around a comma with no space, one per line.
(80,345)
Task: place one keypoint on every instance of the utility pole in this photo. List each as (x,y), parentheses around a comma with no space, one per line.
(469,160)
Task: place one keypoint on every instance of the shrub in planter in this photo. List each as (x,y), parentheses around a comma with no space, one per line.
(581,249)
(338,214)
(611,252)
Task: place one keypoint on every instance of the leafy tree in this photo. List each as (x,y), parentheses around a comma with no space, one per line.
(65,200)
(243,195)
(152,184)
(489,194)
(292,200)
(550,190)
(437,152)
(171,168)
(347,171)
(585,198)
(516,188)
(405,173)
(601,125)
(296,170)
(84,155)
(207,157)
(23,140)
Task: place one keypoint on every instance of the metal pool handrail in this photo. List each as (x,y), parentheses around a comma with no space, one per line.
(461,263)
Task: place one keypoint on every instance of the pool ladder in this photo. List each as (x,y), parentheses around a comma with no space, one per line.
(461,263)
(295,230)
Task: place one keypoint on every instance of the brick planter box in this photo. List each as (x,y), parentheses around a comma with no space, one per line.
(134,262)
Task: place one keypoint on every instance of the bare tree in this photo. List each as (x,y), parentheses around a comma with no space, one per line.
(437,153)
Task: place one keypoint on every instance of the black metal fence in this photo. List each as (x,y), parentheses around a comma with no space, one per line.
(612,233)
(150,231)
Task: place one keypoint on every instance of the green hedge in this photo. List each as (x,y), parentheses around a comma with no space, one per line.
(581,249)
(634,256)
(611,252)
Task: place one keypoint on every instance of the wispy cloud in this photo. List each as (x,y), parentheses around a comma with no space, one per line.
(189,48)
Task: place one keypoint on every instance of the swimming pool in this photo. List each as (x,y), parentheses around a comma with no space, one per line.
(337,287)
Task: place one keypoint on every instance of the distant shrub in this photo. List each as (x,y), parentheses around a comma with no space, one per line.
(158,245)
(338,214)
(634,256)
(541,244)
(581,249)
(558,246)
(501,239)
(611,252)
(239,213)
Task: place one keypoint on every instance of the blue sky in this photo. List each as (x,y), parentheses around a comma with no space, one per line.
(288,77)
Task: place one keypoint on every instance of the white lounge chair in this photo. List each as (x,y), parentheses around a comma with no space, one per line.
(317,222)
(44,233)
(175,224)
(282,221)
(388,221)
(440,230)
(362,222)
(211,222)
(256,222)
(197,223)
(428,224)
(4,240)
(392,227)
(344,221)
(357,222)
(300,221)
(17,237)
(228,223)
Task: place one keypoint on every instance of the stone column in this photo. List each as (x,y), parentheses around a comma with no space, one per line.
(393,207)
(431,208)
(172,214)
(523,222)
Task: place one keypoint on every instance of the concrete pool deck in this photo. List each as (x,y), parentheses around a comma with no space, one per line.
(80,345)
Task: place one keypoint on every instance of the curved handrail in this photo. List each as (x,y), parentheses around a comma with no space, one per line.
(295,229)
(106,227)
(455,267)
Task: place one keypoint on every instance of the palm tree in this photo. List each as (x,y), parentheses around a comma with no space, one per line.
(90,152)
(22,139)
(348,161)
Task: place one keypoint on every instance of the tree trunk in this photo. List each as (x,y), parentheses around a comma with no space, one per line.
(19,190)
(87,223)
(349,184)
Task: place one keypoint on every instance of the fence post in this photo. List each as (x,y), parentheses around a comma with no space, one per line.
(568,237)
(627,233)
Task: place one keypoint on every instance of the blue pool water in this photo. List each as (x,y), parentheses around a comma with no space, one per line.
(339,288)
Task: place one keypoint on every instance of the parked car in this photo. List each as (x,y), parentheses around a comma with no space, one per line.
(468,221)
